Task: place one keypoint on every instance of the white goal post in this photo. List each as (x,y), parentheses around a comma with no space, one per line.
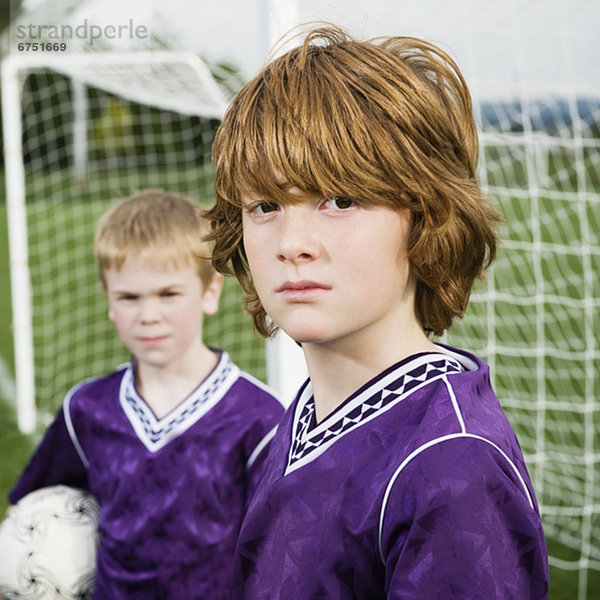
(91,68)
(178,84)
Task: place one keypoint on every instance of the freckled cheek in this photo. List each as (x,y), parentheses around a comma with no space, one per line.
(376,260)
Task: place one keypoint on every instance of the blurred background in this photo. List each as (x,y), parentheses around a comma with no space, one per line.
(104,97)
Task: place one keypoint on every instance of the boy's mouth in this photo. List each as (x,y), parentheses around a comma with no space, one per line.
(302,291)
(152,339)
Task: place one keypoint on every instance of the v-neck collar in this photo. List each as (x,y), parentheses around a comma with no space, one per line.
(381,393)
(156,433)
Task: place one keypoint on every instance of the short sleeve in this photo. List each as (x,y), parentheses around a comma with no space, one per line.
(262,412)
(54,462)
(459,523)
(256,463)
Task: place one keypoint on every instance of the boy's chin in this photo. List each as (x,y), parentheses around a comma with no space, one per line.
(304,336)
(311,327)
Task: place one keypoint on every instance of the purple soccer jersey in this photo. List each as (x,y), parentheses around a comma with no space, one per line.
(414,488)
(172,491)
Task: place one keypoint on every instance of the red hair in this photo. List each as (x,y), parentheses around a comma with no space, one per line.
(386,121)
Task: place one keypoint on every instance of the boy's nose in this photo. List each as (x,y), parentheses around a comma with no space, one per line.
(298,235)
(149,312)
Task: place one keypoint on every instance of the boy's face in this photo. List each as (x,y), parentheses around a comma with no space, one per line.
(158,309)
(331,270)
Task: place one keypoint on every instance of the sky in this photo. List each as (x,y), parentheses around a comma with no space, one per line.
(500,46)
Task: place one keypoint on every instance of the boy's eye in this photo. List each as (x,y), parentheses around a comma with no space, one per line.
(168,293)
(262,208)
(128,297)
(339,202)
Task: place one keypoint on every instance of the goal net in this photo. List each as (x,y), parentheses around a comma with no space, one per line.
(536,320)
(81,132)
(532,69)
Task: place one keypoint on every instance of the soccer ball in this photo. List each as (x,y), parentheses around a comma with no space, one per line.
(48,546)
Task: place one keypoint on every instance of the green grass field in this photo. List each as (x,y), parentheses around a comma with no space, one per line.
(515,327)
(14,447)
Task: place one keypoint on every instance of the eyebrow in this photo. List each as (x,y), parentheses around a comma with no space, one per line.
(123,293)
(170,286)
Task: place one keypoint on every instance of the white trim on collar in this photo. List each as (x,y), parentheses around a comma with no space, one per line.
(378,396)
(156,433)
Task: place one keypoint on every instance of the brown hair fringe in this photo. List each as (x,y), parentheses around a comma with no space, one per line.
(387,121)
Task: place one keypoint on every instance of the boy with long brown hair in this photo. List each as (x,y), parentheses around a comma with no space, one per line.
(348,208)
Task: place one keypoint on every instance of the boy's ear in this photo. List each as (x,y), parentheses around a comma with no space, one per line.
(212,294)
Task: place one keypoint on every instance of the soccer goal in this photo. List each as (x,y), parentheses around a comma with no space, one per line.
(83,143)
(536,319)
(82,131)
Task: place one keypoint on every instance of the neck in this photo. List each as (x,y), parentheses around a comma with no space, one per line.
(165,388)
(338,369)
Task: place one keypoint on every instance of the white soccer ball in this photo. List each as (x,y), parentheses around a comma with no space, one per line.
(48,546)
